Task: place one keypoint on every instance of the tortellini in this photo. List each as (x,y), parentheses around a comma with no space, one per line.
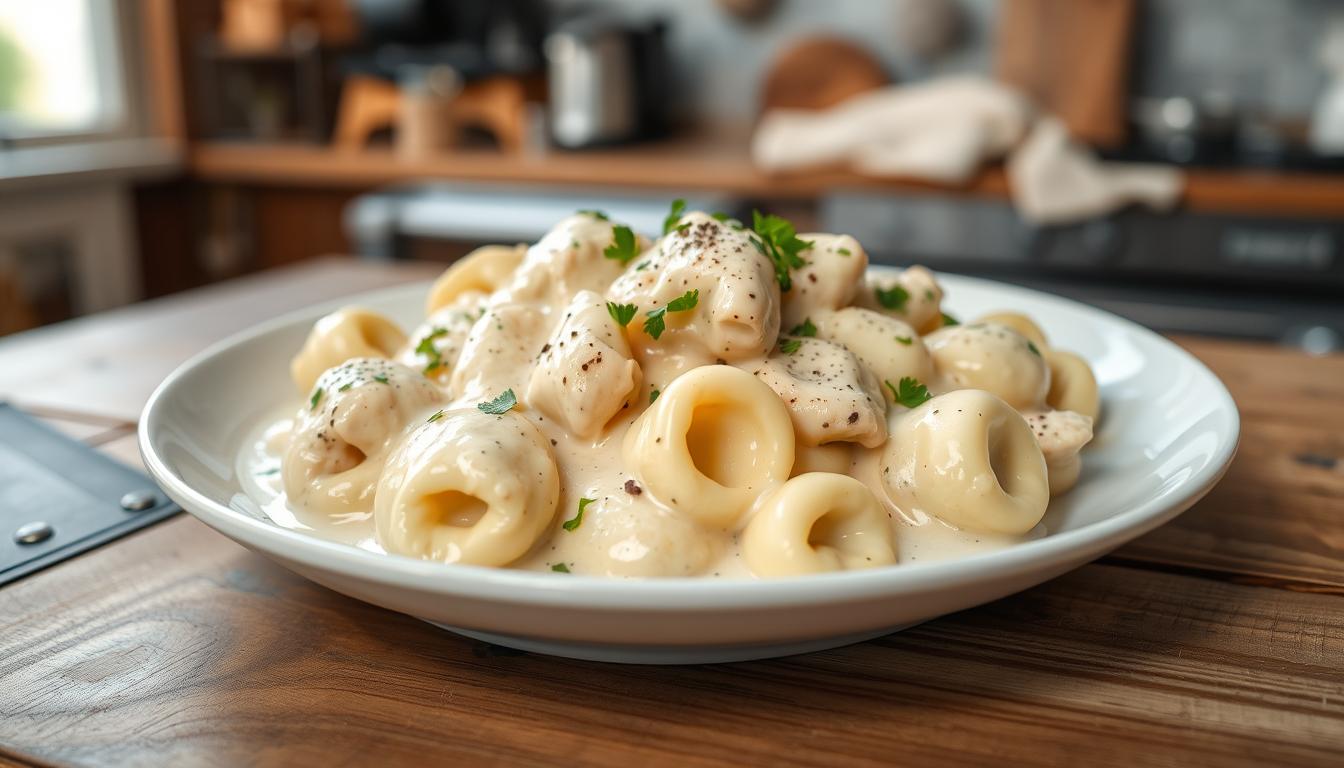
(1072,385)
(468,487)
(815,523)
(712,402)
(343,335)
(835,265)
(991,357)
(969,458)
(888,347)
(343,433)
(711,444)
(480,272)
(914,296)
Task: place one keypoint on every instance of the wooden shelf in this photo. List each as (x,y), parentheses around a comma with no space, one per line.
(681,166)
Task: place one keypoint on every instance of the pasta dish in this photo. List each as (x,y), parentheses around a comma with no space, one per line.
(723,400)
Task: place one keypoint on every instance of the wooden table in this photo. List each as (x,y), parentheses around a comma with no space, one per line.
(1216,640)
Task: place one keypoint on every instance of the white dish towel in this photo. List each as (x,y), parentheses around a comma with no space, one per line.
(944,130)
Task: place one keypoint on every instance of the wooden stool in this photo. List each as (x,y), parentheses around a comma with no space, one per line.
(496,104)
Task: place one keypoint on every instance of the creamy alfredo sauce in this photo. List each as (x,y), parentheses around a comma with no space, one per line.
(517,330)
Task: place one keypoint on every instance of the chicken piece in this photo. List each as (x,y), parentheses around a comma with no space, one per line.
(830,396)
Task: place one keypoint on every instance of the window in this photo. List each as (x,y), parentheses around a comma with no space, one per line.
(61,69)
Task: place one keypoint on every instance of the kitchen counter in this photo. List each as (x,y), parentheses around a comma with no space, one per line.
(1217,639)
(680,166)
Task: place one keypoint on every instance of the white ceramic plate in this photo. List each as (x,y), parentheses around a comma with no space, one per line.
(1168,430)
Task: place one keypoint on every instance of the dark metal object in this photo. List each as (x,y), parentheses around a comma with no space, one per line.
(62,498)
(1272,278)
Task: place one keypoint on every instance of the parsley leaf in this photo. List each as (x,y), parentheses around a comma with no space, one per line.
(686,301)
(426,347)
(654,395)
(678,208)
(1032,347)
(789,346)
(577,520)
(622,313)
(778,241)
(911,393)
(904,340)
(805,329)
(380,378)
(560,568)
(623,246)
(315,399)
(843,251)
(347,385)
(892,298)
(594,213)
(437,415)
(500,404)
(949,321)
(654,324)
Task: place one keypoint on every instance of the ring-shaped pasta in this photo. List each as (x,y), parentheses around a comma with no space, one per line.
(467,487)
(483,270)
(714,440)
(968,458)
(1073,387)
(347,333)
(815,523)
(1018,322)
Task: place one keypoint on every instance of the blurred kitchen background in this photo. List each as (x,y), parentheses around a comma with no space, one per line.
(1180,162)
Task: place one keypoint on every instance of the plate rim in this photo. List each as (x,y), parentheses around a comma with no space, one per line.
(683,593)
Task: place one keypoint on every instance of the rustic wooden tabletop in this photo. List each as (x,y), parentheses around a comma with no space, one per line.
(1216,640)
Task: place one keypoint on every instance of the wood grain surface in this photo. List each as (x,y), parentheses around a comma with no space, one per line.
(1216,640)
(721,164)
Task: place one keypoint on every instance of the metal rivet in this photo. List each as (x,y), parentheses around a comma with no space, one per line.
(139,501)
(33,533)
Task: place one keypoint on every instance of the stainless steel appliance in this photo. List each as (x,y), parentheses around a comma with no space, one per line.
(608,81)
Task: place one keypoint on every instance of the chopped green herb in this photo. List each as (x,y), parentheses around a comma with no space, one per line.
(949,320)
(623,246)
(622,313)
(499,405)
(682,228)
(437,415)
(577,520)
(595,214)
(904,340)
(1033,348)
(779,242)
(789,346)
(719,216)
(843,251)
(315,399)
(928,294)
(654,324)
(806,328)
(910,392)
(345,386)
(560,568)
(641,266)
(426,347)
(381,378)
(892,298)
(654,395)
(670,223)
